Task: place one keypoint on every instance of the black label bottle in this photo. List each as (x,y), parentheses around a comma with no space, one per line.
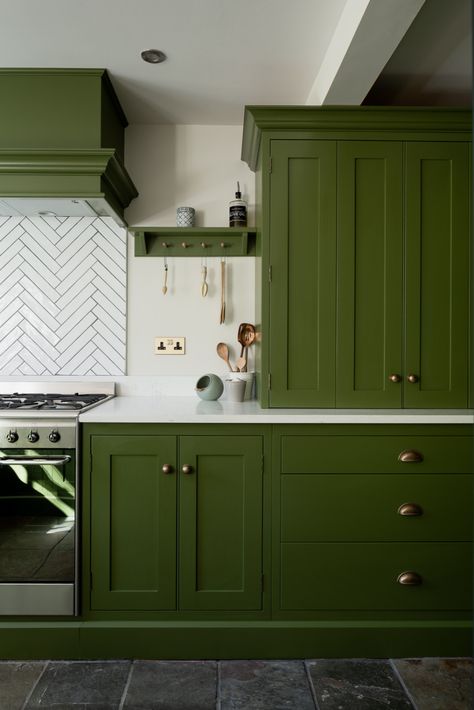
(238,210)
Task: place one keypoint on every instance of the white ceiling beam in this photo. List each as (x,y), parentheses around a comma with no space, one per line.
(366,36)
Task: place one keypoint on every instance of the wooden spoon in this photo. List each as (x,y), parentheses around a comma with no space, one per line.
(241,363)
(223,352)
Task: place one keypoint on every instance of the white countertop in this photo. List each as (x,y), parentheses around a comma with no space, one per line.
(191,410)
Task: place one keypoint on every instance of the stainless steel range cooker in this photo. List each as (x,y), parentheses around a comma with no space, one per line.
(39,494)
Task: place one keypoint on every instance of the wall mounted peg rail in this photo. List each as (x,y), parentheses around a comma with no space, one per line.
(193,241)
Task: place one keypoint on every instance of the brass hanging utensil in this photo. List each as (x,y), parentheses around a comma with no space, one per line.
(222,316)
(204,284)
(165,283)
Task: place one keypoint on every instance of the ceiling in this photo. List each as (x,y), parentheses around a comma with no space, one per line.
(222,55)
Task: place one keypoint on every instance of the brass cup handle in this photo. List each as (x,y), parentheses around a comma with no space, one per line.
(395,378)
(167,468)
(410,509)
(409,579)
(187,469)
(410,456)
(413,378)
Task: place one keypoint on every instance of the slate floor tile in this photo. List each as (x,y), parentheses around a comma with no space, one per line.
(172,685)
(95,685)
(264,685)
(438,683)
(16,681)
(357,685)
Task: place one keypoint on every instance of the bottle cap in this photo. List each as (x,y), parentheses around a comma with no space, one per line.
(238,194)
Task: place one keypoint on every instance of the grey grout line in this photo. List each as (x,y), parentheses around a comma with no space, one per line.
(28,697)
(402,683)
(311,685)
(218,686)
(127,685)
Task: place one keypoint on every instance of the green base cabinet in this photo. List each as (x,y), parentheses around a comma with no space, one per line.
(374,519)
(175,522)
(363,222)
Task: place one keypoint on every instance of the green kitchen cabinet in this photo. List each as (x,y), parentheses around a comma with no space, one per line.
(363,228)
(133,522)
(303,249)
(358,510)
(176,507)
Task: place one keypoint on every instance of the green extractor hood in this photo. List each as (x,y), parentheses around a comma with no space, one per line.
(62,144)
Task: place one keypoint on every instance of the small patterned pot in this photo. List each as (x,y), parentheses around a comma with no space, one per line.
(185,217)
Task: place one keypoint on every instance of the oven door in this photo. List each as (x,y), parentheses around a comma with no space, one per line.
(37,531)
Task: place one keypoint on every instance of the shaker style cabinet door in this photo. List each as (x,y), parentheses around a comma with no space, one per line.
(220,526)
(370,276)
(437,274)
(133,522)
(303,263)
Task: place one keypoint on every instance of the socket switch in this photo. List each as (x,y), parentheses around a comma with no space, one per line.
(166,345)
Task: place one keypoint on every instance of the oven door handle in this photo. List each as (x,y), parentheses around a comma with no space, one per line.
(35,461)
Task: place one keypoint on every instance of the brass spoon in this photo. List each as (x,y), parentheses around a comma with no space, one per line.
(223,352)
(245,338)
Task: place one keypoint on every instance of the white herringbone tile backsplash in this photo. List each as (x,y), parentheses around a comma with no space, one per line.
(62,296)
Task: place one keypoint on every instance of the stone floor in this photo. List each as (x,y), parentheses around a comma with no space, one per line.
(422,684)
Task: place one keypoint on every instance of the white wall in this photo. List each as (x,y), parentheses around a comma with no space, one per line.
(196,166)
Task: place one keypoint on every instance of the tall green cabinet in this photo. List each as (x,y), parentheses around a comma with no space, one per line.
(364,230)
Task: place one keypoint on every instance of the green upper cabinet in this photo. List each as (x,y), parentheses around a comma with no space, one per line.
(363,230)
(437,274)
(302,255)
(369,289)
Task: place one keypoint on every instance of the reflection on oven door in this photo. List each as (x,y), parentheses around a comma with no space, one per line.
(37,516)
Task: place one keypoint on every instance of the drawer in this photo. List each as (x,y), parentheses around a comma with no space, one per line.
(364,507)
(358,576)
(375,454)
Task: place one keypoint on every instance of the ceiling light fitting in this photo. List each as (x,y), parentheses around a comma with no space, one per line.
(153,56)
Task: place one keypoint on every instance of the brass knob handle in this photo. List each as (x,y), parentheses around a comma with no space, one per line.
(395,378)
(413,378)
(167,468)
(410,456)
(187,468)
(410,509)
(409,579)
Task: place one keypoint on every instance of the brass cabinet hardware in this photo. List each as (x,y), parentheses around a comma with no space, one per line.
(409,579)
(410,509)
(395,378)
(204,245)
(167,468)
(413,378)
(223,245)
(165,245)
(184,245)
(410,456)
(187,468)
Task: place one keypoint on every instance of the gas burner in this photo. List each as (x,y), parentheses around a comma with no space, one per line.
(49,402)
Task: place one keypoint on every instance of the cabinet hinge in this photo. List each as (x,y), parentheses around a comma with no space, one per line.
(270,165)
(269,381)
(270,274)
(263,463)
(262,581)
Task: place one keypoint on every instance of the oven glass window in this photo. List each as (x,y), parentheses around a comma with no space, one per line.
(37,515)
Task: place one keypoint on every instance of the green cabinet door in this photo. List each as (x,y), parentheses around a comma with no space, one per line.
(303,264)
(437,274)
(370,276)
(133,516)
(220,526)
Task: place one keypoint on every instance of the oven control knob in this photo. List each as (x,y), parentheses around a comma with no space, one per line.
(54,436)
(12,436)
(33,437)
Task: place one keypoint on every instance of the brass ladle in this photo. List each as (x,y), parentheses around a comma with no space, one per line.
(245,336)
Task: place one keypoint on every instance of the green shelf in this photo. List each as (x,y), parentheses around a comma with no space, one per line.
(194,241)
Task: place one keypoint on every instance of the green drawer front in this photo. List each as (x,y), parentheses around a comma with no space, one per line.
(361,576)
(375,454)
(358,507)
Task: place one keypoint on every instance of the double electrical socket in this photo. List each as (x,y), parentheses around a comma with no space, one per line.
(166,345)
